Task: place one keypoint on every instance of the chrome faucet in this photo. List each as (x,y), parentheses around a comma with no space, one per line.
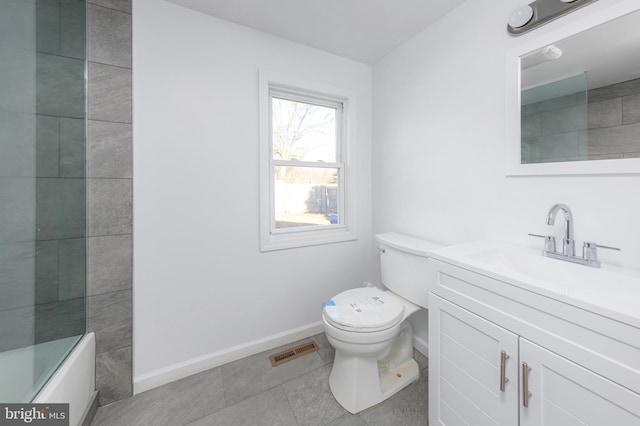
(589,253)
(568,245)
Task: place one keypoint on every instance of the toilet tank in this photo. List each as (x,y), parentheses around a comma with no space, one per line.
(403,263)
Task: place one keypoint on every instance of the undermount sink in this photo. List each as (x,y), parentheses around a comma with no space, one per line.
(611,288)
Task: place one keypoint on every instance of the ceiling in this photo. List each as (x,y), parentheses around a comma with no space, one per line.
(362,30)
(608,53)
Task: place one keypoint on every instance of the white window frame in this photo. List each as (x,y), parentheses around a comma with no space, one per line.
(287,87)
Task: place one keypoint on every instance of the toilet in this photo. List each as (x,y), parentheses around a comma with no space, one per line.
(369,327)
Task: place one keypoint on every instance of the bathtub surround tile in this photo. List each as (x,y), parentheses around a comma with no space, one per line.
(18,328)
(605,113)
(109,316)
(17,133)
(176,403)
(59,24)
(631,109)
(71,268)
(72,25)
(109,264)
(109,36)
(561,145)
(110,204)
(121,5)
(60,319)
(59,208)
(613,140)
(109,201)
(47,146)
(562,102)
(311,399)
(609,156)
(531,126)
(71,147)
(17,209)
(19,87)
(564,120)
(113,375)
(250,376)
(46,271)
(17,26)
(109,149)
(612,113)
(48,26)
(267,408)
(17,267)
(109,94)
(615,90)
(59,86)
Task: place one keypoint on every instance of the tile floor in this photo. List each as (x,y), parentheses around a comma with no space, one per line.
(252,392)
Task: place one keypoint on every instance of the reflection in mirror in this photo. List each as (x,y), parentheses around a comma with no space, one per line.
(580,97)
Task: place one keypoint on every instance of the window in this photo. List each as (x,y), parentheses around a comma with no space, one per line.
(304,138)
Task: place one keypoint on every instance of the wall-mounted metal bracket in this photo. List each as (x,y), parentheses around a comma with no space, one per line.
(545,11)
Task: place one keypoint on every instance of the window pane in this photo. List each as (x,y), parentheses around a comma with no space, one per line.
(305,196)
(303,131)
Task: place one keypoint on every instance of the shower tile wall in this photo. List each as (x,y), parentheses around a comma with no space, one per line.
(603,125)
(614,121)
(109,194)
(46,178)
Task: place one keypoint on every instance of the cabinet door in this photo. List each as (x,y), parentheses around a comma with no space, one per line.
(563,393)
(465,366)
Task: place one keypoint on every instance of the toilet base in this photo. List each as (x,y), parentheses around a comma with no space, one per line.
(357,383)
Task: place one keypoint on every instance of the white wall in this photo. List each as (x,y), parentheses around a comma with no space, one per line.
(439,135)
(203,292)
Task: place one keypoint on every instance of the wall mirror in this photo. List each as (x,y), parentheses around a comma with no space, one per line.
(573,98)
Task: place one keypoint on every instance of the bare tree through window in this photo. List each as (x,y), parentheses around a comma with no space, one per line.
(304,145)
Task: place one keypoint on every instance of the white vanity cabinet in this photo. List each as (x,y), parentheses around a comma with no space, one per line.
(567,394)
(502,354)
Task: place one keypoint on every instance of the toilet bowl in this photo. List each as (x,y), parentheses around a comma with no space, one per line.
(370,330)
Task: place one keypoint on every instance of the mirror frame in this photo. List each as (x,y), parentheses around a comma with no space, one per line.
(513,165)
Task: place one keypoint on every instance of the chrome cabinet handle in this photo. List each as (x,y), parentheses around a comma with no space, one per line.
(503,361)
(525,384)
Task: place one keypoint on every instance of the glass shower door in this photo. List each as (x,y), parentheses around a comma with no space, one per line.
(42,190)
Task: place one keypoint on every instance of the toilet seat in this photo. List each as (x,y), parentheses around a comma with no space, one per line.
(364,310)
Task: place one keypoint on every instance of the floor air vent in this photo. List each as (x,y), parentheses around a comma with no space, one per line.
(293,353)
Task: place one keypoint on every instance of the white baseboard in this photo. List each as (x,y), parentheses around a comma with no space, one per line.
(174,372)
(421,345)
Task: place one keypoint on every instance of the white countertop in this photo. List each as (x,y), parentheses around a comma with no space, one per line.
(610,291)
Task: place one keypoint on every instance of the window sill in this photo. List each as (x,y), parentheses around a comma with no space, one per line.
(291,240)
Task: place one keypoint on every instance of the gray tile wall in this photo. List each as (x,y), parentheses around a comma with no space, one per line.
(614,121)
(559,129)
(60,178)
(109,195)
(42,162)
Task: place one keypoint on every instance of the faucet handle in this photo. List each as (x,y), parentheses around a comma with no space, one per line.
(549,242)
(589,252)
(589,244)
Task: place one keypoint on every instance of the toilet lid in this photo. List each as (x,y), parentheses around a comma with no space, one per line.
(364,309)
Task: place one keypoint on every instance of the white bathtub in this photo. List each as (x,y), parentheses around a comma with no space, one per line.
(74,382)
